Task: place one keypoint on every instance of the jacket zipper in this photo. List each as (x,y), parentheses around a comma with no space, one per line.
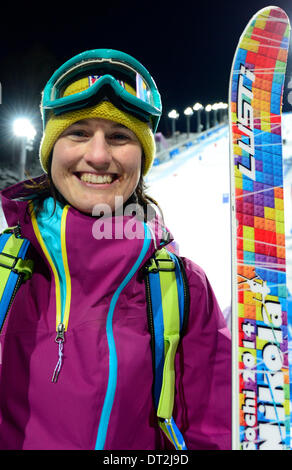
(18,282)
(150,318)
(62,317)
(186,298)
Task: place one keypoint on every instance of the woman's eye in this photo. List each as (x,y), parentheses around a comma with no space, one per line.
(119,137)
(78,133)
(75,133)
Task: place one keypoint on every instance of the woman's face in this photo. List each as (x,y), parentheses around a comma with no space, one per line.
(95,160)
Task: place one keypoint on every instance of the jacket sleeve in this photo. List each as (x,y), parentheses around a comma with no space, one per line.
(203,370)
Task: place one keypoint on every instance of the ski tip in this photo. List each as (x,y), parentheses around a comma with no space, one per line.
(272,13)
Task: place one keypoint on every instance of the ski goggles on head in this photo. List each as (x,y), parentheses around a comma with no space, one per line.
(103,74)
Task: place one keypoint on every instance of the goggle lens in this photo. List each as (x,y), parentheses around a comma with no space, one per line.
(136,85)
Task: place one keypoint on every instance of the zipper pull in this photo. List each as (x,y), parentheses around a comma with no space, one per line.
(60,340)
(60,333)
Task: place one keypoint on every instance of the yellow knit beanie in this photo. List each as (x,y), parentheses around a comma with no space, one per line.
(105,110)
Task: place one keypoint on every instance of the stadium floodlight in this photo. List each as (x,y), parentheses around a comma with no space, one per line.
(208,109)
(173,115)
(215,108)
(188,112)
(22,127)
(198,107)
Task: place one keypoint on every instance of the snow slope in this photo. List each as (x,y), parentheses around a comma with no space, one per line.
(191,189)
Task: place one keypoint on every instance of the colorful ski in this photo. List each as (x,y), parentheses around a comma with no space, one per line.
(261,417)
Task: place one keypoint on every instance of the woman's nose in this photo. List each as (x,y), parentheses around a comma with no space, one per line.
(97,151)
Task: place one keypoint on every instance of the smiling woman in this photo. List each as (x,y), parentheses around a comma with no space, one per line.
(114,340)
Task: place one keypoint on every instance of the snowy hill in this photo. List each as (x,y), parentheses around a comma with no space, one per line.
(191,190)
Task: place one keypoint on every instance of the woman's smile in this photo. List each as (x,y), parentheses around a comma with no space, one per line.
(97,178)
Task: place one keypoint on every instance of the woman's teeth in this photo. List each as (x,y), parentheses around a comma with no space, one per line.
(97,179)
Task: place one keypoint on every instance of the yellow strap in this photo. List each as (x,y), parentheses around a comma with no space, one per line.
(166,261)
(24,267)
(170,308)
(12,248)
(166,400)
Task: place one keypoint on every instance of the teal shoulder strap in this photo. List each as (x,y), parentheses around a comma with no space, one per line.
(168,306)
(14,267)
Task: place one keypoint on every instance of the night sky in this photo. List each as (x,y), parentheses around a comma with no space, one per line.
(188,48)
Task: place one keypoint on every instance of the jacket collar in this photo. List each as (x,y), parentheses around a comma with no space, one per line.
(15,204)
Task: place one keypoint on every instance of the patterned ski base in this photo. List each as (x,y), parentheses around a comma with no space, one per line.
(261,418)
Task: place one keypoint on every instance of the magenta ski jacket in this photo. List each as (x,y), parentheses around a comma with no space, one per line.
(102,398)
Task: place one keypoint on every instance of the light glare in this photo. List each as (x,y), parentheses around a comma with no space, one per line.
(173,114)
(22,127)
(188,111)
(197,107)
